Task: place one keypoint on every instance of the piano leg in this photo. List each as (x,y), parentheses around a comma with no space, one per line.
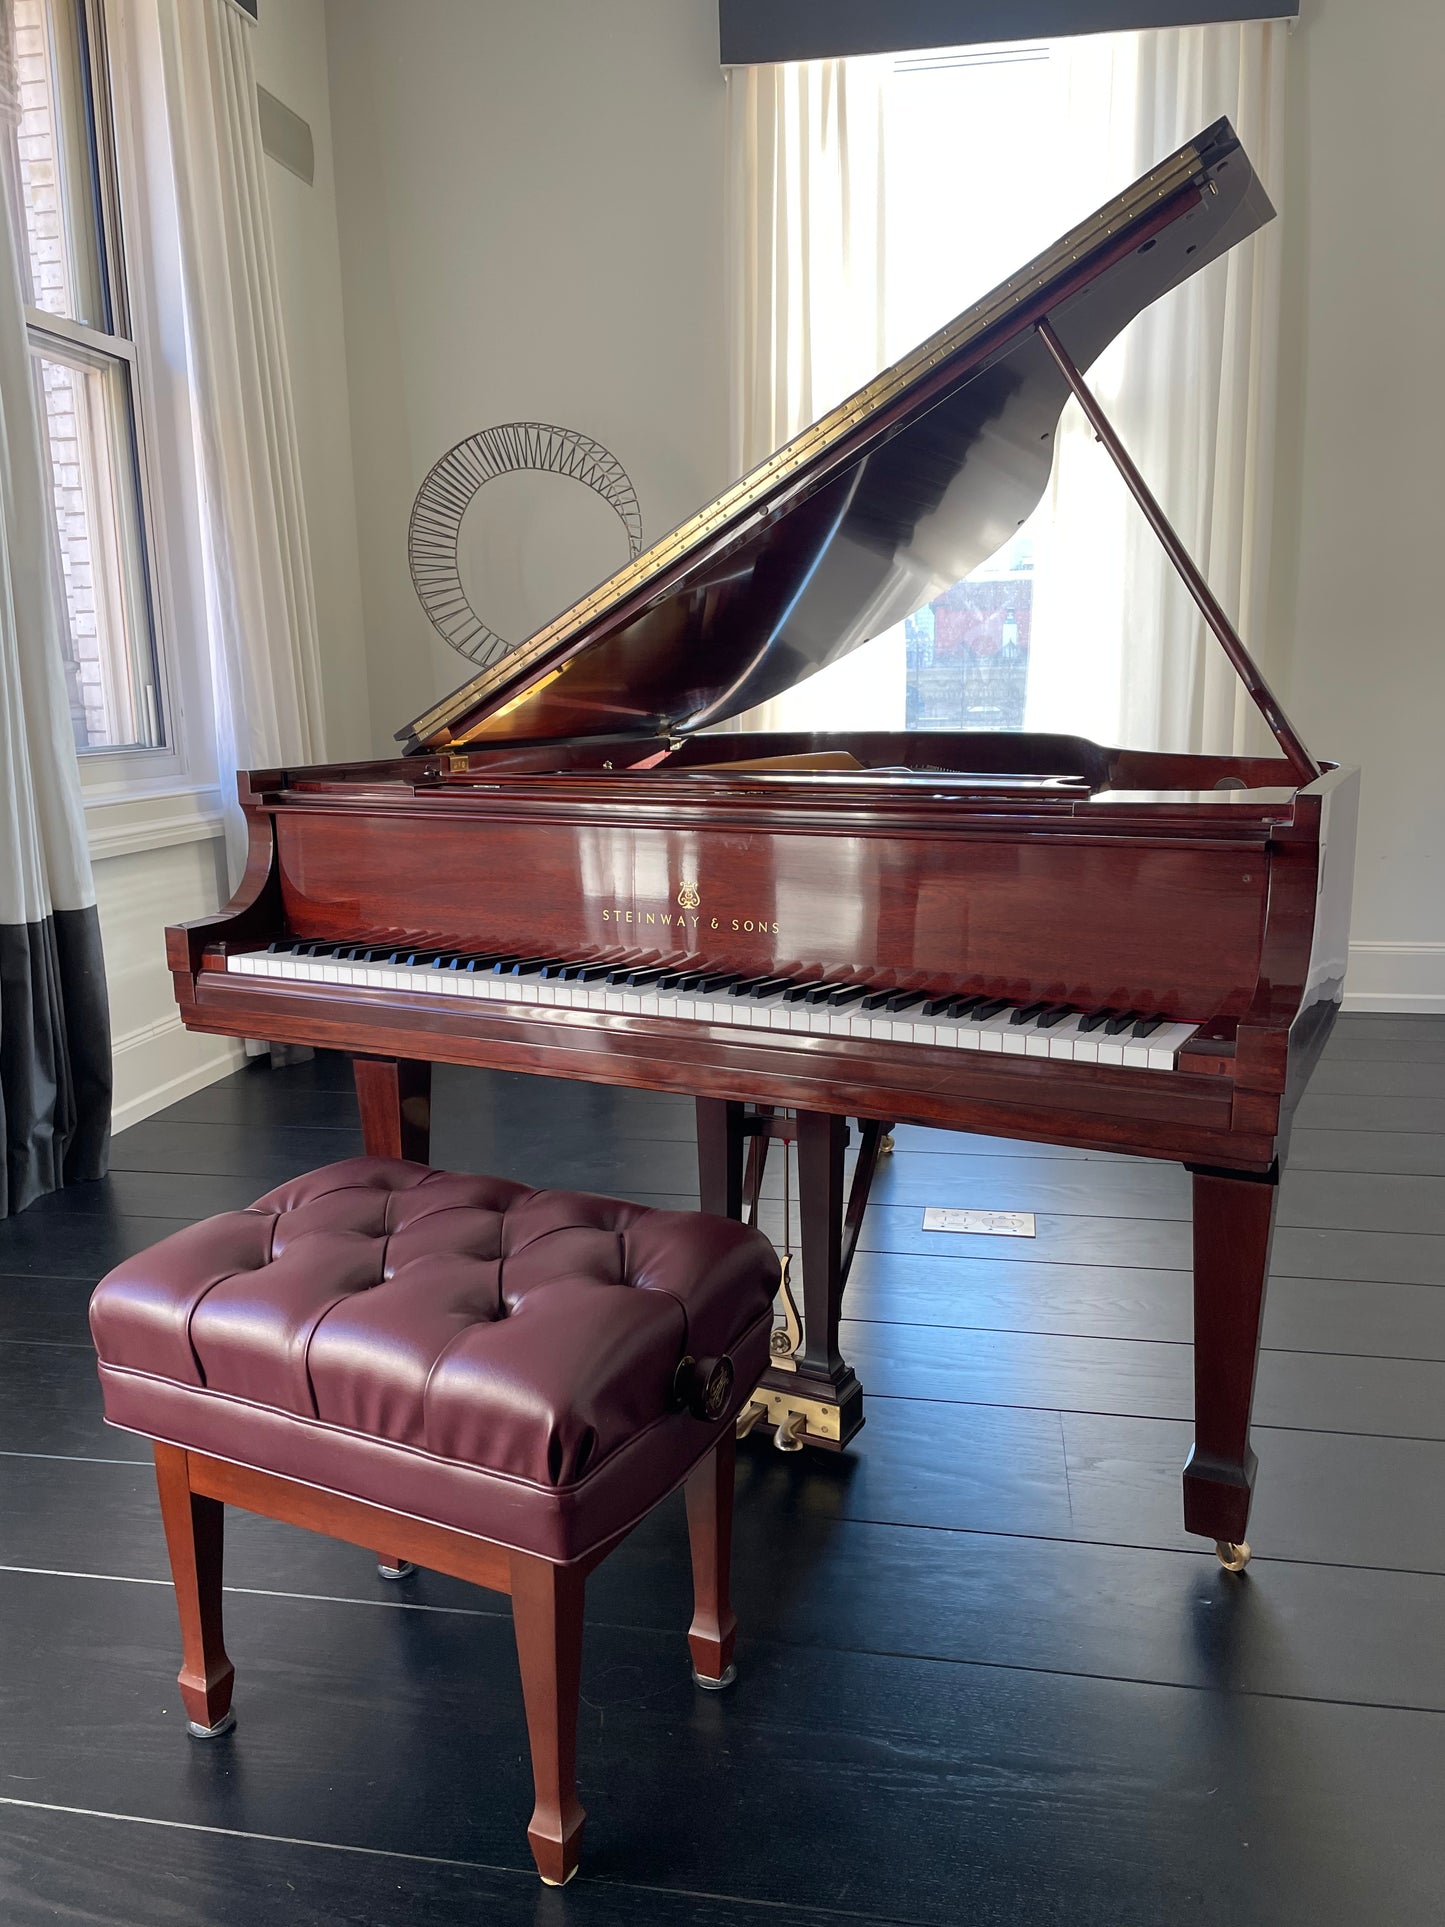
(1233,1226)
(720,1156)
(395,1098)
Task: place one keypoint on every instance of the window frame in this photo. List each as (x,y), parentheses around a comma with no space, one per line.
(159,492)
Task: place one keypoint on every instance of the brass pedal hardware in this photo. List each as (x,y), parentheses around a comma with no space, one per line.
(802,1421)
(752,1414)
(787,1335)
(1233,1558)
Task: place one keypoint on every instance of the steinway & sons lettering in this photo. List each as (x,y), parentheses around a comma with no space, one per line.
(694,920)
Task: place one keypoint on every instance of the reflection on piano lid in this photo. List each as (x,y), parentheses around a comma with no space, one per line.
(888,500)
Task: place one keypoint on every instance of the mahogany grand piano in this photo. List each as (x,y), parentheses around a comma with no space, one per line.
(571,870)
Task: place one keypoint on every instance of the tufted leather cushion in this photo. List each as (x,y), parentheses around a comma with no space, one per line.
(460,1348)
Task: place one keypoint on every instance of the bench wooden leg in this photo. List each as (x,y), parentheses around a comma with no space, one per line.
(194,1527)
(714,1627)
(547,1621)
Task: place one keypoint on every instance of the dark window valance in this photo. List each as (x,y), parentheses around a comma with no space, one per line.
(752,31)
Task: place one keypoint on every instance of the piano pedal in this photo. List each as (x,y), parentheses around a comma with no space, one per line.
(796,1420)
(1233,1558)
(752,1414)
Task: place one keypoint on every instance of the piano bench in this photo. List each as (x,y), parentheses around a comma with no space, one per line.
(455,1372)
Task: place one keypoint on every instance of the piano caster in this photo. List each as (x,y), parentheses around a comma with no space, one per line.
(714,1685)
(885,1144)
(223,1725)
(791,1432)
(403,1569)
(751,1415)
(1233,1558)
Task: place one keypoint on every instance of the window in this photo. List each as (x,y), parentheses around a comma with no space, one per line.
(85,366)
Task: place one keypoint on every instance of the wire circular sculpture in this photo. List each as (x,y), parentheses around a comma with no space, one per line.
(452,485)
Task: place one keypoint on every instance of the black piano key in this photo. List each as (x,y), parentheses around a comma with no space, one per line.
(1121,1021)
(525,966)
(904,1000)
(1094,1019)
(812,990)
(592,973)
(876,999)
(961,1006)
(282,947)
(675,978)
(936,1006)
(840,999)
(981,1013)
(1055,1016)
(421,958)
(1026,1013)
(770,986)
(745,986)
(648,976)
(1147,1026)
(716,980)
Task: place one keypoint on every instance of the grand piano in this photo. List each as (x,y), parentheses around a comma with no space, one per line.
(574,868)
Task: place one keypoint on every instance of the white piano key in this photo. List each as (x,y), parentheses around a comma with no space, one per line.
(1065,1042)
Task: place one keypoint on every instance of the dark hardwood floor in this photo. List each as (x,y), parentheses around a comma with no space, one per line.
(985,1677)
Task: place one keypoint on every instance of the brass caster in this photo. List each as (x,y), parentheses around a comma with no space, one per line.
(403,1569)
(223,1725)
(1233,1558)
(557,1883)
(750,1415)
(714,1685)
(789,1435)
(885,1144)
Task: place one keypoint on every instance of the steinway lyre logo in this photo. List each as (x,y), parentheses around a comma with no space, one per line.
(687,896)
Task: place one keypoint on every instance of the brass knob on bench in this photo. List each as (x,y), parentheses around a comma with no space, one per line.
(703,1386)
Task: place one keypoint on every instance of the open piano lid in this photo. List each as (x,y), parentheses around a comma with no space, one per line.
(874,510)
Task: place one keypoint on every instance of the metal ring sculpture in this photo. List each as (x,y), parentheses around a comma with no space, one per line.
(451,486)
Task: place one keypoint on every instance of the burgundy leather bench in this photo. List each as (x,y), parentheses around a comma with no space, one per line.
(458,1373)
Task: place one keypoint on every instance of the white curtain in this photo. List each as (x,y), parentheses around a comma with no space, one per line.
(1191,387)
(806,240)
(265,658)
(1118,651)
(54,1024)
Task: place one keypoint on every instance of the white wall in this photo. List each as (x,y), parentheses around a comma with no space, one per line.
(291,64)
(530,202)
(158,858)
(1362,504)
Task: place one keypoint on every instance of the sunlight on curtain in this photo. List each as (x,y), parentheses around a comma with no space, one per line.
(979,159)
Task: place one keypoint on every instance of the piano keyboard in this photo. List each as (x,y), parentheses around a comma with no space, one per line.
(1133,1039)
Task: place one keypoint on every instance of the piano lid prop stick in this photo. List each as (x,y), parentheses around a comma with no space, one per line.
(1306,769)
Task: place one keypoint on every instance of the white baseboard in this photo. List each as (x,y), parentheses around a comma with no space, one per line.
(1396,977)
(157,1064)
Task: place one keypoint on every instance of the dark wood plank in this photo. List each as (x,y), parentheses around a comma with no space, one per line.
(151,1194)
(1353,1111)
(74,1866)
(1003,1772)
(1307,1391)
(1108,1301)
(75,1245)
(1420,1153)
(230,1150)
(804,1577)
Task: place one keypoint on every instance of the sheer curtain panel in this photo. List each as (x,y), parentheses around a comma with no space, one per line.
(265,656)
(54,1022)
(856,233)
(806,237)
